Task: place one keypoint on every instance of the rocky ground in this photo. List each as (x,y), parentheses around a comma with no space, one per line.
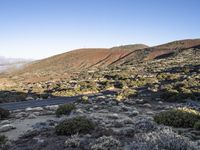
(124,125)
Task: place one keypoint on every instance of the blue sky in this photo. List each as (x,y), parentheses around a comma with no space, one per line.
(41,28)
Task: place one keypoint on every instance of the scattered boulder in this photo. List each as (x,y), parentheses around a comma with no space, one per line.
(34,109)
(32,116)
(7,127)
(52,108)
(21,115)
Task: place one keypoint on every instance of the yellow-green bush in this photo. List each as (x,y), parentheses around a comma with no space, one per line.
(75,125)
(85,99)
(185,118)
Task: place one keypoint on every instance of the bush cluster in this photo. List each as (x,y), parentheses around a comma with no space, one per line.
(65,109)
(75,125)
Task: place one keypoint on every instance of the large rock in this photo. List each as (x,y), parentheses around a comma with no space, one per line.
(7,127)
(52,108)
(21,115)
(4,122)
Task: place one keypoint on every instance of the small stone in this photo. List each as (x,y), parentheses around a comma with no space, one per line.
(95,107)
(39,140)
(150,113)
(7,127)
(29,98)
(134,113)
(147,105)
(91,109)
(36,113)
(113,116)
(32,116)
(29,109)
(158,99)
(140,101)
(102,103)
(79,111)
(160,102)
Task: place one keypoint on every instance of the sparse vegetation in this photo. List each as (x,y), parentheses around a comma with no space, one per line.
(125,93)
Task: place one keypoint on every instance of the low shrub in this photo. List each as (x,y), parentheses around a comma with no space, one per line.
(75,125)
(164,139)
(85,99)
(3,140)
(65,109)
(197,125)
(4,113)
(106,143)
(185,118)
(73,141)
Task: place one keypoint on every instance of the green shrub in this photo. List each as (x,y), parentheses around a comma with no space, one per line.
(185,118)
(3,140)
(197,125)
(4,113)
(85,99)
(75,125)
(65,109)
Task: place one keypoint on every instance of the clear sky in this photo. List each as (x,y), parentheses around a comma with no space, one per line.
(41,28)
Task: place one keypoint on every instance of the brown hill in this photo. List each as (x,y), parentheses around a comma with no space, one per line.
(75,61)
(159,51)
(66,64)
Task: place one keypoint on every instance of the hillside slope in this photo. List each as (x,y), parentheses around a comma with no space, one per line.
(76,61)
(160,51)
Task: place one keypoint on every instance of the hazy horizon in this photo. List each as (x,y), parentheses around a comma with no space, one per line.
(38,29)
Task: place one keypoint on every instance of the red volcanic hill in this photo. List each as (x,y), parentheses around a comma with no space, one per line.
(65,64)
(160,51)
(76,61)
(84,58)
